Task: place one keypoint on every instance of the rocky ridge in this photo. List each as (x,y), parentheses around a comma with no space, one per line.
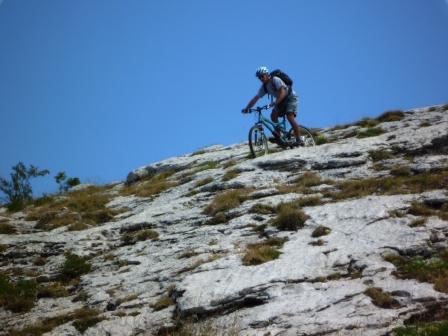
(193,268)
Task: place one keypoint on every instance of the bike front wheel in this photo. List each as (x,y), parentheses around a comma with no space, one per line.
(258,143)
(305,135)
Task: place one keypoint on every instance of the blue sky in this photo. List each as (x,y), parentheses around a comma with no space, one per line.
(98,88)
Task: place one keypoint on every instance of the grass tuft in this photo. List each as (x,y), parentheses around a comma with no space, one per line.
(263,251)
(321,231)
(226,200)
(152,187)
(369,132)
(289,218)
(382,299)
(132,238)
(428,329)
(230,174)
(433,270)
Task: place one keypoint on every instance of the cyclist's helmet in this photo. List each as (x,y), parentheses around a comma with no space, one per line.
(262,71)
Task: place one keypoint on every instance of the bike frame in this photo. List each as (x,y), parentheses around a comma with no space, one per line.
(269,124)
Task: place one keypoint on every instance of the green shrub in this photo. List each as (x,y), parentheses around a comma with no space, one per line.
(321,139)
(370,132)
(433,270)
(17,296)
(65,183)
(427,329)
(18,190)
(73,267)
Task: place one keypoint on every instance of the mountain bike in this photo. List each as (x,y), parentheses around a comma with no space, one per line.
(258,143)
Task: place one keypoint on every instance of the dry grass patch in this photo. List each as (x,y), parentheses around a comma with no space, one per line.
(200,262)
(263,209)
(263,251)
(81,209)
(55,290)
(203,328)
(394,115)
(203,182)
(132,238)
(423,209)
(152,187)
(309,201)
(321,231)
(418,222)
(82,320)
(226,200)
(230,174)
(380,154)
(302,184)
(188,254)
(6,228)
(382,299)
(164,302)
(433,270)
(390,185)
(400,171)
(367,122)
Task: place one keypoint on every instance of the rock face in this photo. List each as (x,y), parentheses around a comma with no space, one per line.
(179,252)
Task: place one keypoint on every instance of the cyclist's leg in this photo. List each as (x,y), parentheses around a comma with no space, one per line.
(291,114)
(292,120)
(274,118)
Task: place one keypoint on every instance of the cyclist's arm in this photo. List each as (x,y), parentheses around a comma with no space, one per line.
(252,102)
(281,95)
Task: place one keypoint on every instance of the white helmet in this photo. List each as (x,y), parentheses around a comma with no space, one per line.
(262,71)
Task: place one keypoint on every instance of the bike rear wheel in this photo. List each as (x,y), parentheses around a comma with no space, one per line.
(258,143)
(305,135)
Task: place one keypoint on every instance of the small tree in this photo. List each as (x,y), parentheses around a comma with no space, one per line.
(66,183)
(18,191)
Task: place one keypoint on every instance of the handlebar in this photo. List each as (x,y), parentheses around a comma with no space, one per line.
(258,108)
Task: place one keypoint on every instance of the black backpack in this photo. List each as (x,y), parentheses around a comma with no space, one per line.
(284,77)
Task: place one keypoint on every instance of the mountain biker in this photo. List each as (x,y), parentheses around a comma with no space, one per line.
(285,102)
